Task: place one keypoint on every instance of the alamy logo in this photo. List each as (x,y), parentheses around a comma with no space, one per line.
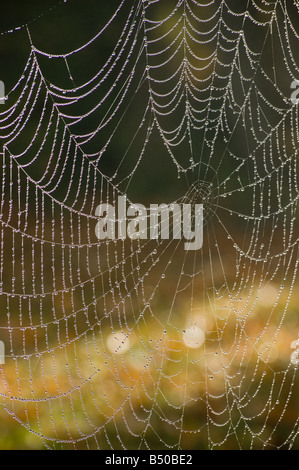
(295,354)
(163,221)
(295,94)
(2,93)
(2,353)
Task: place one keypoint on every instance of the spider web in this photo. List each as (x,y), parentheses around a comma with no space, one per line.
(138,344)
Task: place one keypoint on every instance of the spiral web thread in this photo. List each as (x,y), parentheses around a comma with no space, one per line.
(136,344)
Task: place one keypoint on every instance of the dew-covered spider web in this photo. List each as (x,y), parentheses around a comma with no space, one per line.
(140,344)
